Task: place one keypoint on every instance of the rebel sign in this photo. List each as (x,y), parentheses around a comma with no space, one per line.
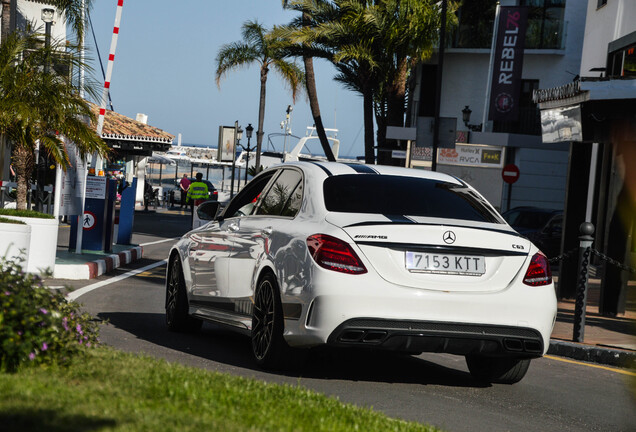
(508,64)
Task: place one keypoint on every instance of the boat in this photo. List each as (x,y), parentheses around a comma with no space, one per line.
(308,148)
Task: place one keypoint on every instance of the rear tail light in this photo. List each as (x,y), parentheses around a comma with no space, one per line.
(538,273)
(334,254)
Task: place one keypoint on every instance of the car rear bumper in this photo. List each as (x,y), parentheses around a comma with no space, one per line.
(517,320)
(429,336)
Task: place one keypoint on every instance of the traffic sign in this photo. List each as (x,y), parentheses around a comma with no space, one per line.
(88,222)
(510,173)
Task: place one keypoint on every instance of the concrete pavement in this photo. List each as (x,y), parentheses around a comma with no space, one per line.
(608,340)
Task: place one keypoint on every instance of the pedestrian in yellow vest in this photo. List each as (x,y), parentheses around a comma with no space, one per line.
(198,191)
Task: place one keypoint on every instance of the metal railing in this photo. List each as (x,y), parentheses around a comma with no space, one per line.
(585,251)
(6,198)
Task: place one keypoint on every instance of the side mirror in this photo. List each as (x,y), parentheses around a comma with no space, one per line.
(207,211)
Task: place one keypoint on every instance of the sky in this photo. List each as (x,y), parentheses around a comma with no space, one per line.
(165,68)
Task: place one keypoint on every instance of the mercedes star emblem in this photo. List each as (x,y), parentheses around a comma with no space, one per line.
(449,237)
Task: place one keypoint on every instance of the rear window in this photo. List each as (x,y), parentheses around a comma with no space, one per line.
(406,196)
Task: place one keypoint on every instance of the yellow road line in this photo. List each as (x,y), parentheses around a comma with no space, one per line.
(620,371)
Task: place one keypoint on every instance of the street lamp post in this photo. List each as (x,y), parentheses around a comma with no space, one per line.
(466,112)
(47,16)
(248,133)
(238,133)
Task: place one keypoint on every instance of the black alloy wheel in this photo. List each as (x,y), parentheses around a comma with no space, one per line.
(268,345)
(177,318)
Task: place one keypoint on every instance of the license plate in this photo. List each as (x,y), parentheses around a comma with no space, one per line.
(472,265)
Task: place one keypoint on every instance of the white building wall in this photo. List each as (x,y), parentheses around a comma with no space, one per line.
(466,70)
(31,11)
(612,21)
(543,170)
(541,181)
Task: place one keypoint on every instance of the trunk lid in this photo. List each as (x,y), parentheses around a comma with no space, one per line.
(437,254)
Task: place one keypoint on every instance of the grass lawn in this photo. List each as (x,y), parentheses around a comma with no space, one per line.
(110,390)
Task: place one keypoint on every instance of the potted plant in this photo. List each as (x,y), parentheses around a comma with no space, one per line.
(42,246)
(15,238)
(41,109)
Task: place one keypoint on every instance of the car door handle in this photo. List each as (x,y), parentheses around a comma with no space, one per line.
(233,227)
(266,232)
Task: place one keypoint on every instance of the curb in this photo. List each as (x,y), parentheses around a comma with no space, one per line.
(593,353)
(92,269)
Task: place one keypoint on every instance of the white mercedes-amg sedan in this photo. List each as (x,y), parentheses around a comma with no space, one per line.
(385,258)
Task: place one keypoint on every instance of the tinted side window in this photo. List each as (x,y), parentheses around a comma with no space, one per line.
(243,203)
(284,197)
(408,196)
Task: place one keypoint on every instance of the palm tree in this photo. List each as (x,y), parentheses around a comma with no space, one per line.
(256,47)
(406,32)
(320,33)
(310,86)
(36,106)
(373,44)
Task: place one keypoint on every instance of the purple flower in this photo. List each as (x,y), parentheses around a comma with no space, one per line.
(44,311)
(65,323)
(88,344)
(44,346)
(79,329)
(7,293)
(32,356)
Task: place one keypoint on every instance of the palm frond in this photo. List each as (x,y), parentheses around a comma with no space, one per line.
(234,56)
(291,73)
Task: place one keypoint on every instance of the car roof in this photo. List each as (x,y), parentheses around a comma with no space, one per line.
(329,169)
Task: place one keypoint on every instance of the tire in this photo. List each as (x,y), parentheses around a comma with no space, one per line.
(501,370)
(268,345)
(177,318)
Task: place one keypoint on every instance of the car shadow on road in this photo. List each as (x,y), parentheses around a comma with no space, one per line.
(220,345)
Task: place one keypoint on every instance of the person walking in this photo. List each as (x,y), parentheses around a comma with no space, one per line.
(184,185)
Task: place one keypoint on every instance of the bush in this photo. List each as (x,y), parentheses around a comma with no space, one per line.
(25,213)
(37,325)
(11,221)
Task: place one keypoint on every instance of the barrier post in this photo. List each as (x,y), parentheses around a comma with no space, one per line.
(585,249)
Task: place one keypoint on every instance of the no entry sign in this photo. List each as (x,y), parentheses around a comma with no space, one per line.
(510,173)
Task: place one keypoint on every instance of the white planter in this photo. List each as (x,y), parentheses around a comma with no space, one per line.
(43,245)
(15,238)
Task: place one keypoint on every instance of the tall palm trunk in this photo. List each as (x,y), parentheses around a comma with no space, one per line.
(369,141)
(397,96)
(310,82)
(6,20)
(5,29)
(261,117)
(312,94)
(23,163)
(393,114)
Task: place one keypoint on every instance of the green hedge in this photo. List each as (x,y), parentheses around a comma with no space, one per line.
(11,221)
(25,213)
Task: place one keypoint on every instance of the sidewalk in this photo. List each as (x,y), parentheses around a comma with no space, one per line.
(607,340)
(89,265)
(610,341)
